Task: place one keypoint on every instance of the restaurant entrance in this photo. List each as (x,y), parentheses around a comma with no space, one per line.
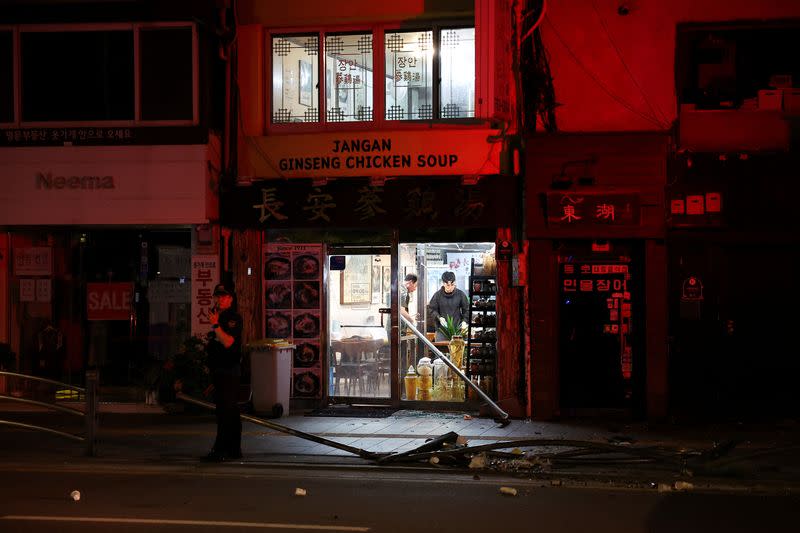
(359,352)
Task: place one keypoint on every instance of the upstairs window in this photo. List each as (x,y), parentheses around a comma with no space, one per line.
(429,74)
(457,89)
(103,74)
(295,72)
(6,76)
(409,75)
(349,82)
(77,75)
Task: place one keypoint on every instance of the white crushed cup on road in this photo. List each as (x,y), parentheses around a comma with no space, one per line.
(299,492)
(75,495)
(508,491)
(683,485)
(434,460)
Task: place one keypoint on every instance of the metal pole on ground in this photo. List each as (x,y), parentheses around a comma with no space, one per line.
(91,411)
(502,416)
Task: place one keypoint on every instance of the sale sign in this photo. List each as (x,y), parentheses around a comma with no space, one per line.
(109,301)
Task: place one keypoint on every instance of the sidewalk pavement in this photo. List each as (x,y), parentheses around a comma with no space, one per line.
(136,434)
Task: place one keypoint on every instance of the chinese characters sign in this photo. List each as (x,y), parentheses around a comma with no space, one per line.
(205,276)
(293,309)
(606,286)
(354,203)
(573,209)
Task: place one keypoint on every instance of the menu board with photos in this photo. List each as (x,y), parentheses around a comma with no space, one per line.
(293,309)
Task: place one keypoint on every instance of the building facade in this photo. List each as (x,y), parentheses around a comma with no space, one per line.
(375,142)
(112,140)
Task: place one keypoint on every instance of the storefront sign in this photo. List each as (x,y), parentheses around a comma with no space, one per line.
(33,261)
(205,276)
(106,185)
(391,153)
(146,135)
(293,309)
(410,203)
(109,301)
(580,209)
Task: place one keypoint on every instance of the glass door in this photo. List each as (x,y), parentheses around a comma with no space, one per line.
(359,282)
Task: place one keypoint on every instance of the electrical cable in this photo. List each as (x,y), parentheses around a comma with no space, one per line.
(599,82)
(657,113)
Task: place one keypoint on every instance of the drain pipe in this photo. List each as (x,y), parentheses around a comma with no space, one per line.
(501,416)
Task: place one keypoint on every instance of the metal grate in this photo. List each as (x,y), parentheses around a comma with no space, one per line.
(311,115)
(281,47)
(281,115)
(335,114)
(364,113)
(425,112)
(451,111)
(334,45)
(365,43)
(395,112)
(311,45)
(395,43)
(450,39)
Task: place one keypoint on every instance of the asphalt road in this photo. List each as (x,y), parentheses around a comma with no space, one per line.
(243,498)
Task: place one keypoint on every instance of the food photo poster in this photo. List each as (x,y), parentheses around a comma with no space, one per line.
(293,309)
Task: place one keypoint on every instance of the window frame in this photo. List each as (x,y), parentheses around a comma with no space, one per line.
(379,121)
(134,28)
(16,102)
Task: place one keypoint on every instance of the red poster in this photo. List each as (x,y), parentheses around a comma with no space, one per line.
(109,301)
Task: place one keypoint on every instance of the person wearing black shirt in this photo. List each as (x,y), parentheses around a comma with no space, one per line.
(224,361)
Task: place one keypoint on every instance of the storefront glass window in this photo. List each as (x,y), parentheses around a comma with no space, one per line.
(423,376)
(295,83)
(409,75)
(348,77)
(457,89)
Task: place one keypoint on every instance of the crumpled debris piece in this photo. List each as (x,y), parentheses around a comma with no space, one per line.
(467,417)
(462,440)
(478,461)
(434,460)
(508,491)
(299,492)
(75,495)
(683,485)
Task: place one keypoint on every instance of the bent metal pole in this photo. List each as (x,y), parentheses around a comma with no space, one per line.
(502,416)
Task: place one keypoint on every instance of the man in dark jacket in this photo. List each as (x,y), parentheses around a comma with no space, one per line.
(448,301)
(224,361)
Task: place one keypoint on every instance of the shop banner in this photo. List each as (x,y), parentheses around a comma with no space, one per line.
(205,276)
(293,309)
(461,152)
(408,203)
(109,301)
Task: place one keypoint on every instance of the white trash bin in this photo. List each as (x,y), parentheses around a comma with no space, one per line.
(271,377)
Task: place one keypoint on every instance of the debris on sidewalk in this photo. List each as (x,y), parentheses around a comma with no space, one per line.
(467,417)
(508,491)
(299,492)
(75,495)
(478,461)
(683,485)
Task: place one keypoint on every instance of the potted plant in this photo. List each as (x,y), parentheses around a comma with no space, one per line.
(455,334)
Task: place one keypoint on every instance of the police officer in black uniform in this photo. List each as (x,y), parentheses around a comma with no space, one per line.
(224,361)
